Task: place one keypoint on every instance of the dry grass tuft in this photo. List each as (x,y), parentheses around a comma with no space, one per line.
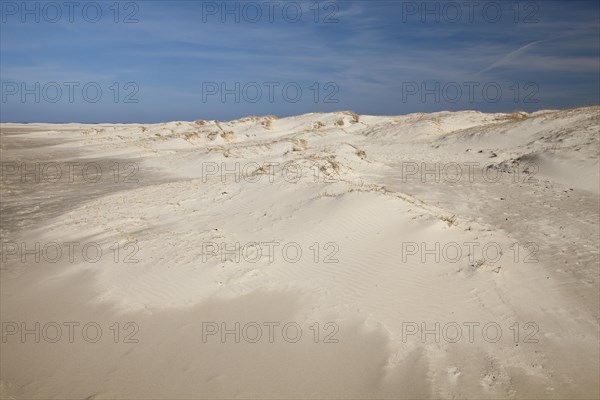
(228,136)
(191,135)
(514,117)
(355,117)
(331,167)
(300,145)
(451,221)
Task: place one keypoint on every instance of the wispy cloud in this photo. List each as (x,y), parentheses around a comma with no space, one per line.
(510,56)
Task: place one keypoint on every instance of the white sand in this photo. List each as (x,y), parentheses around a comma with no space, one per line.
(362,201)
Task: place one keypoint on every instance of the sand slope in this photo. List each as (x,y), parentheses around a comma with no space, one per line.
(363,198)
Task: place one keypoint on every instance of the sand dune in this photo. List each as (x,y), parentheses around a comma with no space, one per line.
(445,255)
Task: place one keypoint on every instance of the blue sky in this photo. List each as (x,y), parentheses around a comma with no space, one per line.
(373,57)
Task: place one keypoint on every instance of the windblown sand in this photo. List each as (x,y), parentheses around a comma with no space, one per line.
(365,199)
